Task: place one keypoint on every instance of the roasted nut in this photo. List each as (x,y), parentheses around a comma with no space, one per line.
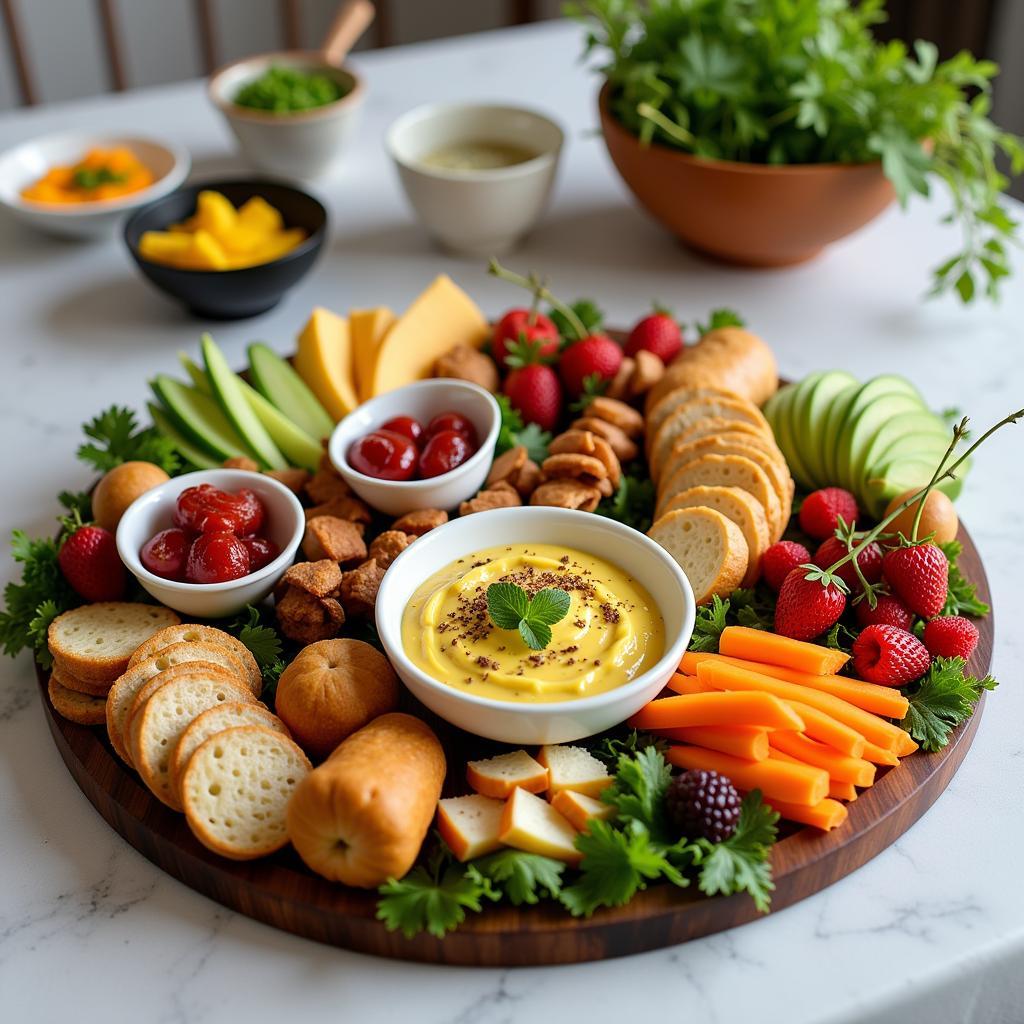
(320,578)
(566,494)
(624,448)
(326,485)
(603,485)
(571,465)
(241,462)
(506,465)
(502,485)
(618,386)
(352,509)
(618,414)
(294,479)
(577,442)
(388,545)
(502,495)
(465,363)
(359,588)
(334,538)
(527,479)
(421,521)
(648,371)
(308,619)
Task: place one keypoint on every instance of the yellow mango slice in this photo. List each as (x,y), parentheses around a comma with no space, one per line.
(214,213)
(324,361)
(368,326)
(257,213)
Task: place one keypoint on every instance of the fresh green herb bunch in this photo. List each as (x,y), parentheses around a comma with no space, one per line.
(805,81)
(287,91)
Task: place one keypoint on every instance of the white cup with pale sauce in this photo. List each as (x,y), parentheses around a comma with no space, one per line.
(477,175)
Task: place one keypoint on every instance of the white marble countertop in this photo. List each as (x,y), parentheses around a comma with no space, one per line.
(931,930)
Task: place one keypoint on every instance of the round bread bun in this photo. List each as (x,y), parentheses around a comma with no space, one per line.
(331,689)
(120,487)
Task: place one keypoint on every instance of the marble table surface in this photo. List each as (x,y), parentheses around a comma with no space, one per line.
(931,930)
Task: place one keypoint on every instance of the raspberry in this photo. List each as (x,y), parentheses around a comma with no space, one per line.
(888,611)
(820,512)
(703,805)
(870,561)
(951,636)
(889,656)
(779,559)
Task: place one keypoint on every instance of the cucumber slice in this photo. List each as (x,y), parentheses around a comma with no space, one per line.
(275,379)
(861,426)
(227,389)
(191,453)
(813,405)
(296,445)
(835,415)
(196,373)
(199,418)
(776,411)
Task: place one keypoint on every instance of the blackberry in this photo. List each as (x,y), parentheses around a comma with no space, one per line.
(703,805)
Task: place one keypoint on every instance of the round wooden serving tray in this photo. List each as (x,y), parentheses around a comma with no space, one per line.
(281,892)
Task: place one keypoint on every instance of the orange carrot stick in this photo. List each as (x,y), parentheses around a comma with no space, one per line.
(904,744)
(826,814)
(746,741)
(827,729)
(836,790)
(773,649)
(840,767)
(723,676)
(879,700)
(711,709)
(795,783)
(879,755)
(688,684)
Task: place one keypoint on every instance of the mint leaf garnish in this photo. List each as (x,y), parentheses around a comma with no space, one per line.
(510,607)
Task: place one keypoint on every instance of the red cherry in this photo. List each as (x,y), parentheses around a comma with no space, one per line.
(262,551)
(384,455)
(216,558)
(206,508)
(165,553)
(443,452)
(453,421)
(406,425)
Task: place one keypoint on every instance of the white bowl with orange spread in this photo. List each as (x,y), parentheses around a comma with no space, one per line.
(630,618)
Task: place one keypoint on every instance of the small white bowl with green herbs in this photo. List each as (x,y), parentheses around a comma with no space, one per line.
(292,113)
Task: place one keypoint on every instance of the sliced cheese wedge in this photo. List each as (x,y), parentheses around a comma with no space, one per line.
(532,824)
(470,825)
(324,361)
(440,318)
(498,776)
(368,327)
(574,768)
(578,808)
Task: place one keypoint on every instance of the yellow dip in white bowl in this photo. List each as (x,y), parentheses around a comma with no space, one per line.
(612,632)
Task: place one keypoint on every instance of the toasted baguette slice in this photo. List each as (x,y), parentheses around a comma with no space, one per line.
(678,396)
(168,712)
(72,682)
(736,504)
(124,690)
(573,768)
(498,776)
(470,825)
(95,641)
(719,426)
(213,720)
(190,633)
(133,717)
(727,471)
(236,788)
(82,708)
(532,824)
(709,548)
(579,809)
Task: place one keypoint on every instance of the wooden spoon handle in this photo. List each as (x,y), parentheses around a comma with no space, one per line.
(352,20)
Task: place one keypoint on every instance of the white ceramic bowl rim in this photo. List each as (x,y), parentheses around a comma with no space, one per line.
(293,58)
(389,624)
(338,450)
(437,111)
(176,173)
(244,478)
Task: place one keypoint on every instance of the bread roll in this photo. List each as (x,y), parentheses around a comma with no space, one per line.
(360,818)
(119,487)
(331,689)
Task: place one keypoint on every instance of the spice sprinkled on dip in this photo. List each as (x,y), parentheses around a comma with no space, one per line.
(612,632)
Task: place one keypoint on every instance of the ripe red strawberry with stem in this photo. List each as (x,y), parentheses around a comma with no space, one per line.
(520,326)
(657,332)
(808,604)
(90,563)
(918,574)
(533,388)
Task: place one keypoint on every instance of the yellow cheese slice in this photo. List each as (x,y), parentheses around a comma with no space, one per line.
(441,317)
(368,327)
(324,361)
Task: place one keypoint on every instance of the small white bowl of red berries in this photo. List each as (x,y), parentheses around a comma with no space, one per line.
(207,544)
(429,444)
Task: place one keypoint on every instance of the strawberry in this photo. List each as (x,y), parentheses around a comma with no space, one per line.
(889,656)
(596,355)
(807,606)
(888,611)
(91,564)
(870,561)
(919,576)
(657,333)
(535,393)
(951,636)
(820,512)
(779,559)
(519,325)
